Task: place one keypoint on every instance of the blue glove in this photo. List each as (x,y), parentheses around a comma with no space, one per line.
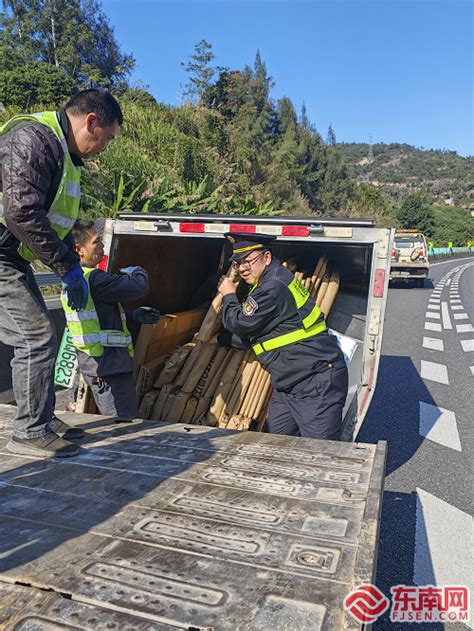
(130,270)
(76,288)
(146,315)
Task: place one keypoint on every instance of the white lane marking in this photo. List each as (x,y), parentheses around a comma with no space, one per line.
(439,425)
(448,282)
(455,302)
(433,343)
(434,300)
(445,313)
(433,314)
(467,258)
(460,316)
(464,328)
(472,370)
(434,306)
(454,296)
(443,549)
(467,345)
(434,372)
(432,326)
(456,307)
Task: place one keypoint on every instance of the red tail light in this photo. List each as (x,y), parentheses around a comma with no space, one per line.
(422,254)
(295,231)
(379,281)
(242,227)
(394,253)
(191,227)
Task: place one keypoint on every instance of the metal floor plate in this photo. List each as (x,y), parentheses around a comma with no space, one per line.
(159,526)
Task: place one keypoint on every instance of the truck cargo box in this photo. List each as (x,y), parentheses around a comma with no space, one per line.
(185,255)
(158,527)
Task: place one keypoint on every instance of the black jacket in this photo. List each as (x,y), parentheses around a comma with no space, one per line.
(31,159)
(106,291)
(271,311)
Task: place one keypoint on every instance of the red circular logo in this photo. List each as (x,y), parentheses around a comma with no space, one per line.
(366,603)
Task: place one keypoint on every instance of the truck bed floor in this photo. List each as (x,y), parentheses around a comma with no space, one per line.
(160,526)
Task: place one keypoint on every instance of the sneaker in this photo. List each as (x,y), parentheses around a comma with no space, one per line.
(48,446)
(64,430)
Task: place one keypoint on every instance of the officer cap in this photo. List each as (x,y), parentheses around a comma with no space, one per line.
(244,243)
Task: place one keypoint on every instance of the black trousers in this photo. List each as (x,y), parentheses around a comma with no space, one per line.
(114,394)
(315,411)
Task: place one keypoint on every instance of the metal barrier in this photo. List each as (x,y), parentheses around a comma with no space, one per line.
(447,253)
(44,280)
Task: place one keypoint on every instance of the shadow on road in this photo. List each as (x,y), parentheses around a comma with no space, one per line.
(394,416)
(399,525)
(394,413)
(411,284)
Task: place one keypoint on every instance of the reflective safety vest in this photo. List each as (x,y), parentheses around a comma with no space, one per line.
(64,210)
(312,321)
(84,327)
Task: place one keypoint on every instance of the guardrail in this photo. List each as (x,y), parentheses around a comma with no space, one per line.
(447,253)
(44,280)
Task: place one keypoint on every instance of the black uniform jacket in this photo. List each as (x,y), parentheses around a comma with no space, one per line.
(106,291)
(31,160)
(268,311)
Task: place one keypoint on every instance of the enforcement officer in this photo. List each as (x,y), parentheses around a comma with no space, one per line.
(286,329)
(100,333)
(41,158)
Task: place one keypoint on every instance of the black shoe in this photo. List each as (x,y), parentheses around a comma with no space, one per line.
(48,446)
(64,430)
(123,419)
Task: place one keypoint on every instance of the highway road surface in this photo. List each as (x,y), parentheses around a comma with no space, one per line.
(424,407)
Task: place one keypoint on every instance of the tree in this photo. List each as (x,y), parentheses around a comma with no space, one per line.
(304,120)
(200,71)
(416,213)
(336,188)
(331,137)
(35,83)
(370,200)
(73,35)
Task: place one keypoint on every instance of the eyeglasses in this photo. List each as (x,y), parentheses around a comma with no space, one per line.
(247,264)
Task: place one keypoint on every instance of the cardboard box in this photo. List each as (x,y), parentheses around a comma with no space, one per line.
(173,365)
(172,330)
(148,401)
(147,375)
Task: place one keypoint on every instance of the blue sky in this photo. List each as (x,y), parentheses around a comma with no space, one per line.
(393,71)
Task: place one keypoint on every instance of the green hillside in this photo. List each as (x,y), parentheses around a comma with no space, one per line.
(229,147)
(399,169)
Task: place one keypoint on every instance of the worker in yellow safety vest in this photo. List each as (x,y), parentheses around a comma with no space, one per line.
(286,330)
(100,333)
(41,159)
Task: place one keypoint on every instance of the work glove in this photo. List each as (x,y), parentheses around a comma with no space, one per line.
(76,288)
(146,315)
(130,270)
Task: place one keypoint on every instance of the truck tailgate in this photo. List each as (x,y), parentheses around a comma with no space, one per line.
(160,526)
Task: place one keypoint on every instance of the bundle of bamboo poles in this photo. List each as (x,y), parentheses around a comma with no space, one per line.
(322,284)
(206,384)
